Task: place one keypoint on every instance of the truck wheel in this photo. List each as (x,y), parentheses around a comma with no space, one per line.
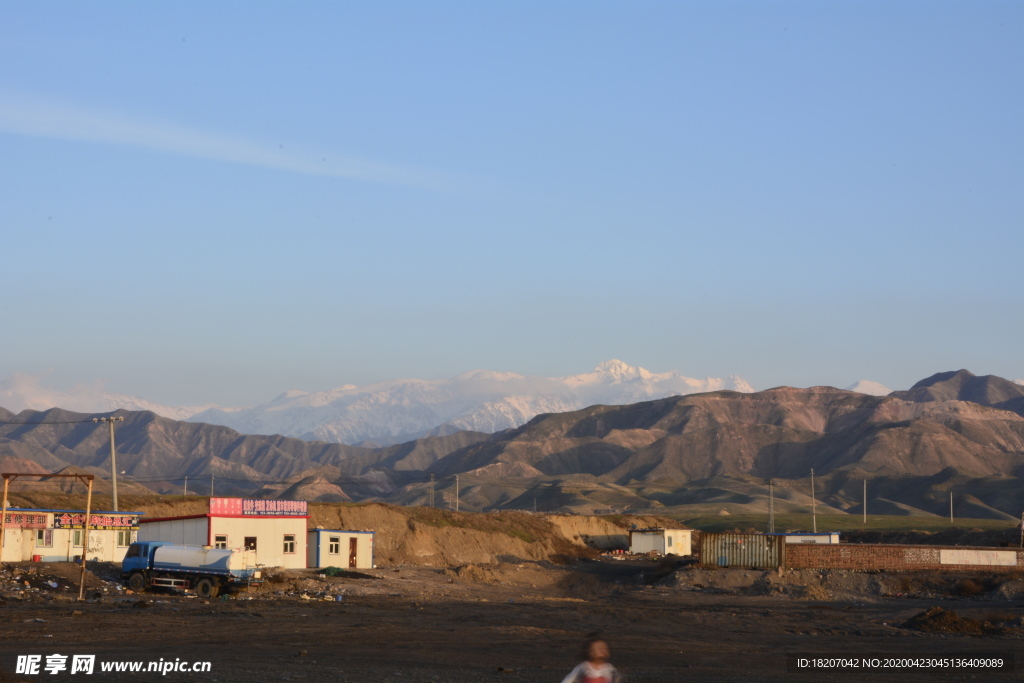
(206,589)
(137,582)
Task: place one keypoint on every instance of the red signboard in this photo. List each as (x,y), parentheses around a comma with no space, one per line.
(250,507)
(68,520)
(25,520)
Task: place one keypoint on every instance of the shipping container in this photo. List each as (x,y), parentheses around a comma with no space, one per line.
(749,551)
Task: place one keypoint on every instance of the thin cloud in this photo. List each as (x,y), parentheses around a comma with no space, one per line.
(25,116)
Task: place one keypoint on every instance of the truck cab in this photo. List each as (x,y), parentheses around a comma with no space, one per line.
(139,557)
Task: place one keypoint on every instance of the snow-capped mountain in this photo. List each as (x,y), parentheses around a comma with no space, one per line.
(480,400)
(866,386)
(25,391)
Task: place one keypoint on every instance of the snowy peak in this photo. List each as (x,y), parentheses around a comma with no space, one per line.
(487,376)
(478,400)
(866,386)
(618,370)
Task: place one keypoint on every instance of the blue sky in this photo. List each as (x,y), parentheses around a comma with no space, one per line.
(218,201)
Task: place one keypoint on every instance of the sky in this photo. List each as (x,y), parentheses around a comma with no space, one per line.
(215,202)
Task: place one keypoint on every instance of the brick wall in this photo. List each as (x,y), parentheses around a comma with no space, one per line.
(902,557)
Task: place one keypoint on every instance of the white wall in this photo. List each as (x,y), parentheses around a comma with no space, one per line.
(821,539)
(646,542)
(20,546)
(269,533)
(680,541)
(175,531)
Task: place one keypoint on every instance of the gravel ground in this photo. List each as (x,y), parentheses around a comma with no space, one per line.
(513,622)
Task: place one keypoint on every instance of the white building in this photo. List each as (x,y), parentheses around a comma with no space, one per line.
(662,541)
(336,548)
(275,529)
(56,535)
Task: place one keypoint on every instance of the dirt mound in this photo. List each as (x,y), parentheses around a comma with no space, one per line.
(442,538)
(821,585)
(472,572)
(1009,590)
(938,620)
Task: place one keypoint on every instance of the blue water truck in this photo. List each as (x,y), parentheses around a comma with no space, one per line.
(206,570)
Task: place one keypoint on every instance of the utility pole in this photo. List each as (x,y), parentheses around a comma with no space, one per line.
(771,506)
(113,453)
(431,490)
(211,486)
(951,505)
(1022,530)
(456,493)
(814,513)
(186,486)
(865,502)
(85,535)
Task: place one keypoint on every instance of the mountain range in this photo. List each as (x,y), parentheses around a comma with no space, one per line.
(395,411)
(713,449)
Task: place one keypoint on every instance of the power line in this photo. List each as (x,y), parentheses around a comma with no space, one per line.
(49,422)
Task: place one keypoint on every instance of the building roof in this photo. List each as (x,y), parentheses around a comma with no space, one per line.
(342,531)
(171,519)
(91,512)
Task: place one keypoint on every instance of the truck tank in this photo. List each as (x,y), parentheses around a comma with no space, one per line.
(213,560)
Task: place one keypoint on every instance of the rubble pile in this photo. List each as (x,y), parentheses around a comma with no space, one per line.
(54,580)
(939,620)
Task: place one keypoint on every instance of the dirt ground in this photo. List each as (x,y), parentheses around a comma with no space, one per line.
(516,622)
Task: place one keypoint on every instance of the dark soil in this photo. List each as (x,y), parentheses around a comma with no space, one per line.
(514,623)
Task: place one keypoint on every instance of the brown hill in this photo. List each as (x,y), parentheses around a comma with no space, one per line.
(962,385)
(781,432)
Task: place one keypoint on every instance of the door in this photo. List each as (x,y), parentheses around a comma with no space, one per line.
(352,545)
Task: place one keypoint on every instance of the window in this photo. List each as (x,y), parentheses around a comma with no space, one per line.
(220,541)
(289,543)
(334,545)
(250,543)
(124,538)
(134,551)
(669,541)
(76,538)
(44,538)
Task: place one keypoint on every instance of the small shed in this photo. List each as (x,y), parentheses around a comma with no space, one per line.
(339,548)
(822,538)
(659,540)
